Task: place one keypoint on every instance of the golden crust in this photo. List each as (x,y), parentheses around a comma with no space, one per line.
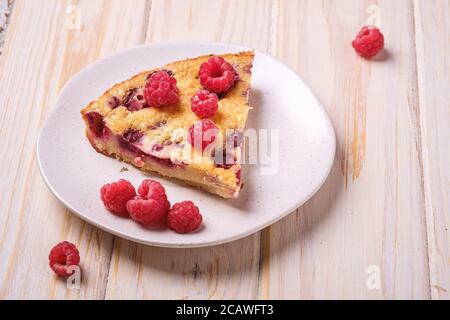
(233,107)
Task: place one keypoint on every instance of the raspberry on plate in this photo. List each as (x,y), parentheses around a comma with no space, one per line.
(217,75)
(116,195)
(202,133)
(62,256)
(204,104)
(151,205)
(184,217)
(151,189)
(147,211)
(368,42)
(161,89)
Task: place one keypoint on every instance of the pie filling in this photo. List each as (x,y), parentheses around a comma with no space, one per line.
(136,148)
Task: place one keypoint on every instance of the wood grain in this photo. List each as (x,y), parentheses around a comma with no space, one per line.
(225,271)
(385,204)
(433,64)
(370,211)
(5,12)
(42,52)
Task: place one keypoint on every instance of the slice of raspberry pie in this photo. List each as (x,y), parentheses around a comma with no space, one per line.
(184,120)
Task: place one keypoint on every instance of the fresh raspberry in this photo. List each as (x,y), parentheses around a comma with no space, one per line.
(204,104)
(115,196)
(202,133)
(147,211)
(368,42)
(217,75)
(184,217)
(62,256)
(161,89)
(151,189)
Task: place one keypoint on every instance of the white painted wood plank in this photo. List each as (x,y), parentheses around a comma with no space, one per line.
(433,63)
(44,49)
(5,12)
(371,210)
(391,170)
(226,271)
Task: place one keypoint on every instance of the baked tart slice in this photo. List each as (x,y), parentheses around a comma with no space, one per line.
(184,120)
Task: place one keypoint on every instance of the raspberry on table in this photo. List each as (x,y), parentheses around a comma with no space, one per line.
(368,42)
(202,133)
(147,211)
(184,217)
(204,104)
(161,89)
(217,75)
(62,256)
(116,195)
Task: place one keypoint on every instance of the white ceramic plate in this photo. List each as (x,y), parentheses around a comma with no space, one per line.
(280,100)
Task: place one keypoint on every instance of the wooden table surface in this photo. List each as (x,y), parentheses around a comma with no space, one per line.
(378,228)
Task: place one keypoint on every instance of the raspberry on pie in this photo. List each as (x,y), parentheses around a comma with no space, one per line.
(204,104)
(217,74)
(202,134)
(161,89)
(145,120)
